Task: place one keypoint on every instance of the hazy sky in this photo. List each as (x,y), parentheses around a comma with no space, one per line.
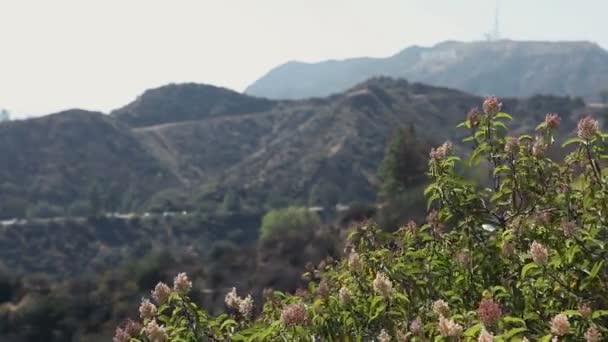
(99,55)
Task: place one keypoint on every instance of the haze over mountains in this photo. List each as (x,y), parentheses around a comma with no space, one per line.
(504,68)
(208,163)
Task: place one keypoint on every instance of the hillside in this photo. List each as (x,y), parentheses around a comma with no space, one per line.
(504,68)
(342,144)
(250,154)
(316,151)
(74,157)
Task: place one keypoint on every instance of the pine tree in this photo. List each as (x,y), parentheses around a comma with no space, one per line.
(404,162)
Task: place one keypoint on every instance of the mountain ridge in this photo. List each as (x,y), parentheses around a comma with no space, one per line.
(318,151)
(505,68)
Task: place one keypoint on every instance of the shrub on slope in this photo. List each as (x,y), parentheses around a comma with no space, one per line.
(523,258)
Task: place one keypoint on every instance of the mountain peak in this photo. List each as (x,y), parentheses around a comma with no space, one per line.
(187,101)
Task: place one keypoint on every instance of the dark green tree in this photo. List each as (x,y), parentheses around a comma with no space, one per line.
(404,162)
(231,203)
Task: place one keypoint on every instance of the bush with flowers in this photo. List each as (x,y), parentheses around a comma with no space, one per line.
(520,259)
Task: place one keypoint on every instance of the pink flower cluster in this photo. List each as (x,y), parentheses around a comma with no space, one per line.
(411,227)
(442,151)
(161,293)
(243,305)
(416,326)
(441,308)
(552,120)
(147,310)
(345,295)
(485,336)
(569,228)
(354,262)
(294,314)
(181,283)
(539,253)
(155,333)
(473,117)
(593,334)
(383,285)
(449,328)
(489,311)
(492,105)
(588,128)
(124,334)
(560,325)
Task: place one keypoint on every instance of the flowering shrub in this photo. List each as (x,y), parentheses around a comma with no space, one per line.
(520,259)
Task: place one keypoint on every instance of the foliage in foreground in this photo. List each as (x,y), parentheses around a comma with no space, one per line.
(523,258)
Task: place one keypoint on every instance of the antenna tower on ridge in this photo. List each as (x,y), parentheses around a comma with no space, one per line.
(494,34)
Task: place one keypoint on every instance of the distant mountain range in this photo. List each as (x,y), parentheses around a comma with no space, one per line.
(503,68)
(192,146)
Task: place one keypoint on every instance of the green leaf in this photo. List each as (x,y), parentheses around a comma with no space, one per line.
(377,306)
(431,199)
(228,322)
(572,141)
(571,313)
(474,157)
(503,115)
(430,188)
(596,269)
(377,312)
(571,253)
(513,332)
(599,313)
(473,330)
(499,124)
(527,268)
(501,168)
(514,320)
